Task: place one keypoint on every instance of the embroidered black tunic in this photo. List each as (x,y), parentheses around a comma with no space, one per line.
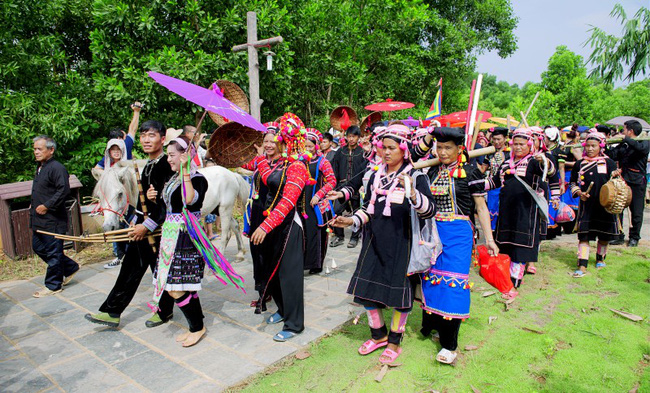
(592,218)
(518,226)
(380,276)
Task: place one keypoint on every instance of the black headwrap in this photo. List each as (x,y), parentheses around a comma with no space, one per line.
(499,131)
(446,134)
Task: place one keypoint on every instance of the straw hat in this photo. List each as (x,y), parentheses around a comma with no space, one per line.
(337,114)
(368,121)
(232,93)
(172,134)
(231,145)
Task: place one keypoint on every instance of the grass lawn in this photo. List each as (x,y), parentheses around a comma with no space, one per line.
(558,336)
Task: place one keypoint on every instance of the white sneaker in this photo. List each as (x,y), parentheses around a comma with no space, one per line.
(114,263)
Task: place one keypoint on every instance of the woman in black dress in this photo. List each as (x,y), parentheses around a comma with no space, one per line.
(380,279)
(321,181)
(281,234)
(519,224)
(184,248)
(593,170)
(270,152)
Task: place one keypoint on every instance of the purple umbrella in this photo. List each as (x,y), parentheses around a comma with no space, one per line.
(210,99)
(411,122)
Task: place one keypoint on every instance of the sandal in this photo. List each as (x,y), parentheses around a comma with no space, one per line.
(600,265)
(446,356)
(275,318)
(390,354)
(371,346)
(284,336)
(531,270)
(578,274)
(510,295)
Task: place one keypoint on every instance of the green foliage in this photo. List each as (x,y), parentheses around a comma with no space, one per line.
(567,95)
(70,68)
(611,54)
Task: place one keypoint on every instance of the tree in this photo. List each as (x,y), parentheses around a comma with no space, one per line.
(611,54)
(70,68)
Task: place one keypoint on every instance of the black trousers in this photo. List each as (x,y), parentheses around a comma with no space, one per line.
(447,329)
(287,286)
(139,256)
(348,206)
(636,210)
(50,249)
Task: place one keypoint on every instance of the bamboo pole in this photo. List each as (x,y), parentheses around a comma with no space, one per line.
(472,154)
(523,119)
(532,103)
(472,120)
(612,141)
(476,131)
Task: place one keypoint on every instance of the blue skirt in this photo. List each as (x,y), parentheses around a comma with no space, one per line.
(493,206)
(445,287)
(566,197)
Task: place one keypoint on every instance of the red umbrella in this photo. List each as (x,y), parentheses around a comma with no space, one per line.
(389,105)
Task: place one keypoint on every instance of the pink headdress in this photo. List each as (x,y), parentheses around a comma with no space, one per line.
(402,134)
(191,152)
(314,135)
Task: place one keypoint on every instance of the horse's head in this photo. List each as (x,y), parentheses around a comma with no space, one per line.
(116,190)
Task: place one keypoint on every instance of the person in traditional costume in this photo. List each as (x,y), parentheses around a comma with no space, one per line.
(270,152)
(492,164)
(348,162)
(571,155)
(184,247)
(458,191)
(321,181)
(558,155)
(550,185)
(521,182)
(140,254)
(588,176)
(380,279)
(281,234)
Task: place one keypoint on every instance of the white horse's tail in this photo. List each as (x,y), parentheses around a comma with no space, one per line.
(244,189)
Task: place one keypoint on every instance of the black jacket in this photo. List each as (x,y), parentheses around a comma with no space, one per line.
(632,157)
(156,173)
(346,164)
(51,187)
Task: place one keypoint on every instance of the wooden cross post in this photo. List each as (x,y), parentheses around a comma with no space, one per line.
(253,65)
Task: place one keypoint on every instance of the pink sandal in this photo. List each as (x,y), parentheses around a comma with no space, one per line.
(531,270)
(391,355)
(510,295)
(371,346)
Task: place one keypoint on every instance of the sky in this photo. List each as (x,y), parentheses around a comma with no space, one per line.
(546,24)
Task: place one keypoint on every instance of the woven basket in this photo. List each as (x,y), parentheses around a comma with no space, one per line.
(368,121)
(231,145)
(335,117)
(234,94)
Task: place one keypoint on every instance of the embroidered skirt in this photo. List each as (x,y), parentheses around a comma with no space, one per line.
(445,287)
(187,266)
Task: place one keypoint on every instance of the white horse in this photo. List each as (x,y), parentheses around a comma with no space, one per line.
(117,188)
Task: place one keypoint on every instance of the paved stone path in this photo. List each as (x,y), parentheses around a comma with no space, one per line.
(46,345)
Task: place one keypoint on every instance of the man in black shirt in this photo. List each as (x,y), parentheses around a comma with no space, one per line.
(632,157)
(140,255)
(348,163)
(47,212)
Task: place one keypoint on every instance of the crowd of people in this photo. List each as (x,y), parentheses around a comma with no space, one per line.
(416,223)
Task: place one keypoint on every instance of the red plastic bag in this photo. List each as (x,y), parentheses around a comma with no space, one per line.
(495,270)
